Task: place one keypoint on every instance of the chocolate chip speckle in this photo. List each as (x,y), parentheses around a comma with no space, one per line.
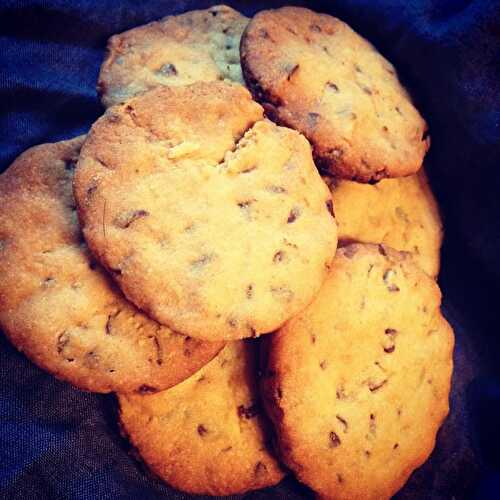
(334,440)
(248,412)
(293,215)
(168,70)
(202,430)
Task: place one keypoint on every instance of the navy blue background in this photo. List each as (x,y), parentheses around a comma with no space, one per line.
(60,443)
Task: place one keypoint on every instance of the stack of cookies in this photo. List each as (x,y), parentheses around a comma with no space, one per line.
(249,178)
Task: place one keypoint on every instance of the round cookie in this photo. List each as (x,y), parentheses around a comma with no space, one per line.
(357,384)
(207,435)
(313,73)
(401,213)
(201,45)
(58,306)
(212,219)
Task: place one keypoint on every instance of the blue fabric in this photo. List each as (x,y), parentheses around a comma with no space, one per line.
(60,443)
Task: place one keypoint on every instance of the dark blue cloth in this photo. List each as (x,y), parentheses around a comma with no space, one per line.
(60,443)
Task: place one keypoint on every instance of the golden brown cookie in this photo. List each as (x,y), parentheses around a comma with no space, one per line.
(210,218)
(207,435)
(58,306)
(313,73)
(358,383)
(201,45)
(401,213)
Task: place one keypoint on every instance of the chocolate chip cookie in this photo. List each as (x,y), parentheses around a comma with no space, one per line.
(200,45)
(401,213)
(358,383)
(207,435)
(313,73)
(212,219)
(58,306)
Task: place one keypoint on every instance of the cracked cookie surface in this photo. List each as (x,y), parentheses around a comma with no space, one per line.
(212,219)
(357,384)
(401,213)
(200,45)
(313,73)
(208,435)
(58,306)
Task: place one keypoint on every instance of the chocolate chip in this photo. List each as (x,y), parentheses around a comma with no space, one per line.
(279,256)
(48,282)
(339,478)
(248,412)
(334,440)
(107,328)
(168,70)
(202,261)
(245,206)
(158,349)
(202,430)
(290,70)
(365,89)
(332,86)
(91,190)
(375,386)
(125,219)
(313,339)
(113,117)
(147,389)
(340,393)
(343,421)
(313,119)
(263,33)
(62,341)
(293,215)
(396,445)
(248,169)
(289,244)
(390,349)
(402,214)
(367,454)
(283,293)
(322,365)
(388,275)
(249,291)
(276,189)
(398,110)
(91,360)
